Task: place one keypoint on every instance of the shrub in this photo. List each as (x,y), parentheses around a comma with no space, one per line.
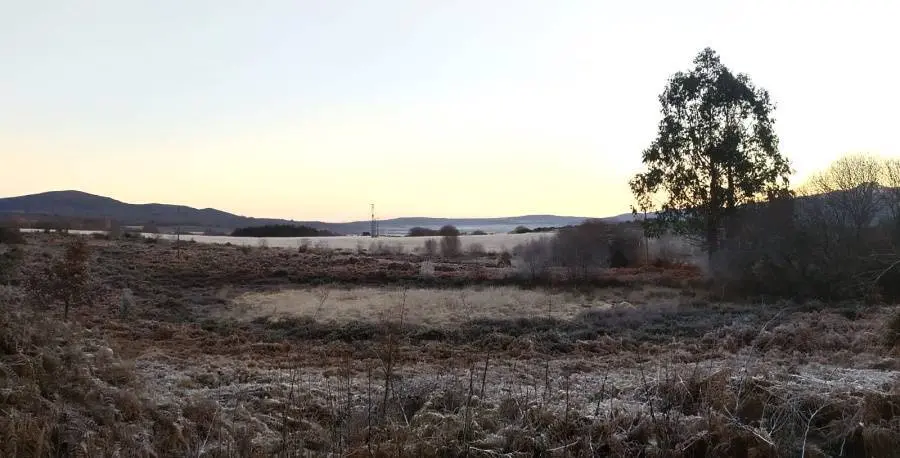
(595,244)
(451,247)
(431,247)
(536,257)
(383,248)
(803,248)
(479,232)
(520,230)
(11,236)
(504,259)
(476,249)
(66,280)
(581,248)
(10,261)
(421,232)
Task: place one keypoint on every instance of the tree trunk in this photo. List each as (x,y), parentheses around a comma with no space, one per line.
(712,216)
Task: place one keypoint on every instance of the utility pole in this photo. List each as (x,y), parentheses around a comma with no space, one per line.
(374,229)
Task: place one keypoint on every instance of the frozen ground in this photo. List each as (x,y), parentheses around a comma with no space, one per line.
(490,242)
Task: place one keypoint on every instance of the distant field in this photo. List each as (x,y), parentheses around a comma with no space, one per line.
(490,242)
(672,248)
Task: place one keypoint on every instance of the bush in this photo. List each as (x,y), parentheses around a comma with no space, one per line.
(595,244)
(451,246)
(536,257)
(431,247)
(479,232)
(10,262)
(421,232)
(504,259)
(520,230)
(476,249)
(448,230)
(11,236)
(66,280)
(580,249)
(799,249)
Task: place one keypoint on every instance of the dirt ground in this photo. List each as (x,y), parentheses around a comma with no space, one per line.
(237,351)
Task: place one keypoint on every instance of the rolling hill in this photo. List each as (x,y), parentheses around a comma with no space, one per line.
(65,205)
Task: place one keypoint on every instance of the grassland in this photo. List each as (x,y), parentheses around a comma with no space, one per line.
(351,243)
(252,351)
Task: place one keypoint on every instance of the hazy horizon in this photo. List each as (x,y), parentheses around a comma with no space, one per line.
(312,110)
(364,218)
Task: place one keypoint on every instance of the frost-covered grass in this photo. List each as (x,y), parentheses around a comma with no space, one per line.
(437,307)
(226,355)
(490,242)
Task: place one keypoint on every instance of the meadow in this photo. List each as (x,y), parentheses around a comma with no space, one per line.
(489,242)
(214,350)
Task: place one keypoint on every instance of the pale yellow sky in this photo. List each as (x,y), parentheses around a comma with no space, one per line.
(312,110)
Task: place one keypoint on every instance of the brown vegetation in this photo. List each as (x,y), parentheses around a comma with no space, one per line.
(627,369)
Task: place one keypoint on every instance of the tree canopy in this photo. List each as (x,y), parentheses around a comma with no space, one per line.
(715,149)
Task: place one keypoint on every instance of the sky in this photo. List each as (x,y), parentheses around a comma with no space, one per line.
(315,109)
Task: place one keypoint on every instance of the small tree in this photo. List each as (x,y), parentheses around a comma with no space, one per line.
(66,280)
(716,149)
(451,247)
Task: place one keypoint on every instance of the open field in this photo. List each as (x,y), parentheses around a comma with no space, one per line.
(249,351)
(490,242)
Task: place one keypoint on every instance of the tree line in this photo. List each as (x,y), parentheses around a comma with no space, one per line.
(281,230)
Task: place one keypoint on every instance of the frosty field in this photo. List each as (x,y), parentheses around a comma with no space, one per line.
(230,351)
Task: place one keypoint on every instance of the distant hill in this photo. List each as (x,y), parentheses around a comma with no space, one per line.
(77,205)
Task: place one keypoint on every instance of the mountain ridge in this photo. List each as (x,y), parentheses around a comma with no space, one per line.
(74,204)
